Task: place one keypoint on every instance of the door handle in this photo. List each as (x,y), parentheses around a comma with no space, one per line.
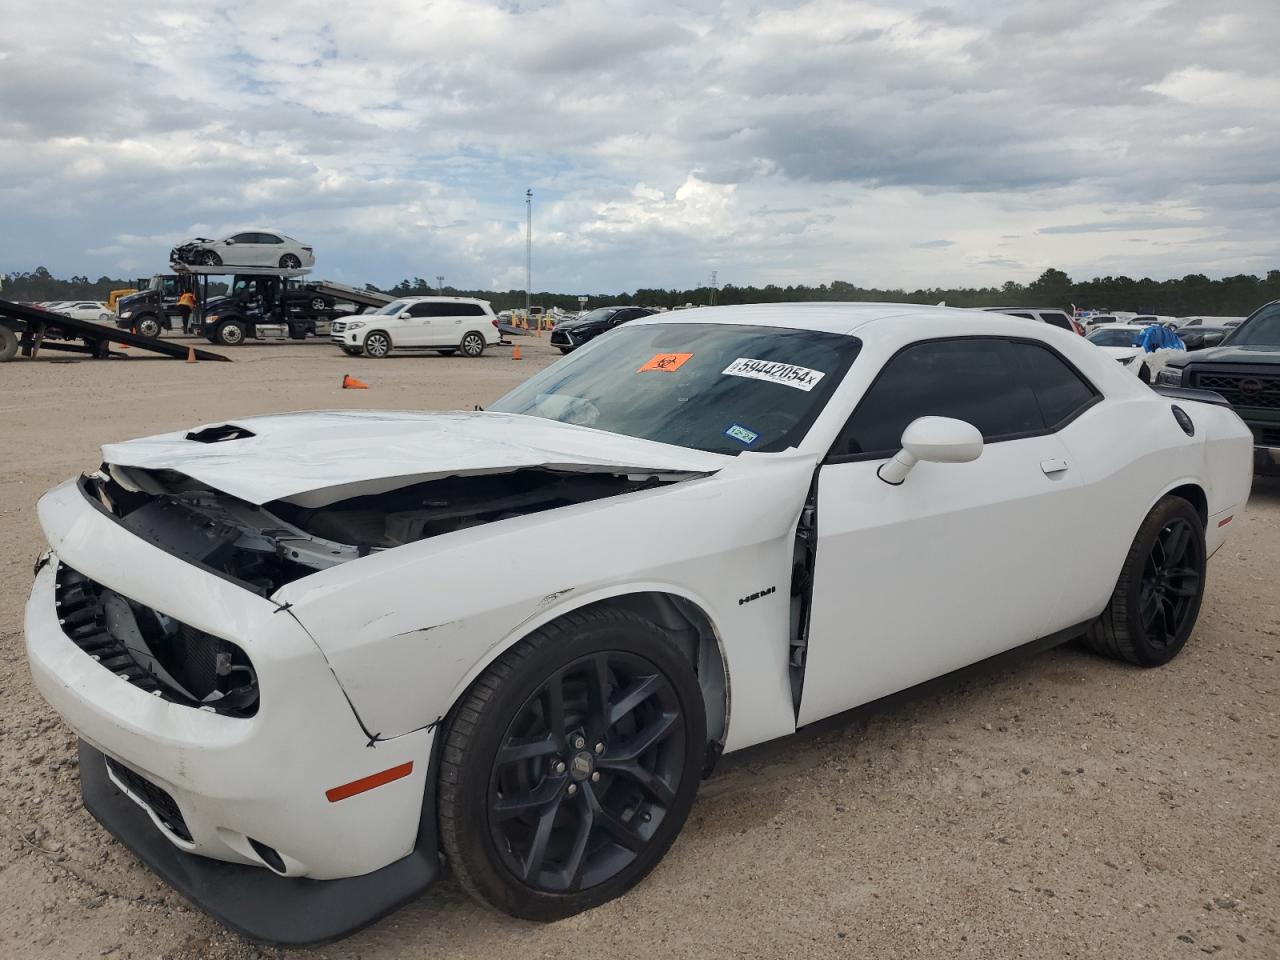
(1053,466)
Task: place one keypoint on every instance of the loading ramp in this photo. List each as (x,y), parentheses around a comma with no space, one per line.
(28,330)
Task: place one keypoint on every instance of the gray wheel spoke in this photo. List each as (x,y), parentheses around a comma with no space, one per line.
(577,857)
(619,831)
(538,848)
(644,740)
(531,800)
(517,750)
(650,782)
(633,696)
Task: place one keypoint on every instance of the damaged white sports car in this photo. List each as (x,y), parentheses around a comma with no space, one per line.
(312,655)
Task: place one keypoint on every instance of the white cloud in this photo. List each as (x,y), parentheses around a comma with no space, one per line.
(879,142)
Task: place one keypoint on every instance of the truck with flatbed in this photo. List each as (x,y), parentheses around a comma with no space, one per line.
(1245,369)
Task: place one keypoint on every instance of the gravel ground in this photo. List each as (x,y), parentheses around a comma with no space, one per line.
(1063,806)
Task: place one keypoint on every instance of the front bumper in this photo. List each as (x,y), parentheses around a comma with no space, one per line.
(1266,460)
(257,903)
(239,784)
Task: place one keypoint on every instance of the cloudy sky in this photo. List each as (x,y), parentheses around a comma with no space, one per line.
(890,143)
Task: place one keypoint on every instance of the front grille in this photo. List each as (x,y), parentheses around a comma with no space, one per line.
(561,339)
(1258,390)
(154,652)
(156,798)
(338,326)
(1266,436)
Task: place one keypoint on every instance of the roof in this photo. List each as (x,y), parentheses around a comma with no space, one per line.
(433,299)
(826,317)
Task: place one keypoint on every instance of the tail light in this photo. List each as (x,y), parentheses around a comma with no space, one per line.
(494,321)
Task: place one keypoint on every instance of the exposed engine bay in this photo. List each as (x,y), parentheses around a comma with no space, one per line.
(265,547)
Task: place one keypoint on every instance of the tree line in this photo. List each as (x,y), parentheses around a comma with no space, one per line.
(1193,294)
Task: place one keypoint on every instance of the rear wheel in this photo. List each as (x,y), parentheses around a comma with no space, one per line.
(472,344)
(1157,598)
(8,344)
(571,764)
(377,345)
(290,262)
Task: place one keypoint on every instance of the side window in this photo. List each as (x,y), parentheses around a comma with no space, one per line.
(1057,320)
(1060,390)
(1024,316)
(469,310)
(245,238)
(423,310)
(268,238)
(977,380)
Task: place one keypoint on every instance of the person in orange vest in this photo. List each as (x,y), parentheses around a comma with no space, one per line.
(187,307)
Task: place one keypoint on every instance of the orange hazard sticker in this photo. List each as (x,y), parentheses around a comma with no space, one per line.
(666,362)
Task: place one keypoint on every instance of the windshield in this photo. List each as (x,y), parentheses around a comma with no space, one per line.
(1260,330)
(1114,338)
(709,386)
(391,309)
(599,313)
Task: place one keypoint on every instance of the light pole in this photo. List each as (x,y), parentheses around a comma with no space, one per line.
(440,284)
(528,252)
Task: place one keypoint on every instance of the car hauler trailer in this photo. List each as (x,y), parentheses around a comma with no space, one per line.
(27,330)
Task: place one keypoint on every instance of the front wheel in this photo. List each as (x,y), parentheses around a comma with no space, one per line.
(147,327)
(571,764)
(1156,601)
(472,344)
(230,333)
(210,259)
(290,262)
(377,345)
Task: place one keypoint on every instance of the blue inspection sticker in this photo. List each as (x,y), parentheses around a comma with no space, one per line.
(740,433)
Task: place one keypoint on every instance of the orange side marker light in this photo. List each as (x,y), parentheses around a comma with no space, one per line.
(368,783)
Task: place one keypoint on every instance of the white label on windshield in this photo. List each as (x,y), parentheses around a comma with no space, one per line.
(789,375)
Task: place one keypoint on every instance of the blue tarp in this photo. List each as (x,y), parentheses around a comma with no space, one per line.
(1158,337)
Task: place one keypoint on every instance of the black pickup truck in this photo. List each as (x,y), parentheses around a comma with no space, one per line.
(1245,369)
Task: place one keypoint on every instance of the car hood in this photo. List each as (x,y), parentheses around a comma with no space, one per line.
(1261,353)
(319,457)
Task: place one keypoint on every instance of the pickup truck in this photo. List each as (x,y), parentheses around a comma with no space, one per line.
(1245,369)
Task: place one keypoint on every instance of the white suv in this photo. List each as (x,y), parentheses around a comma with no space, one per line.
(445,324)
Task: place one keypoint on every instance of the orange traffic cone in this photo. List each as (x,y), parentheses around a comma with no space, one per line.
(191,355)
(515,352)
(351,383)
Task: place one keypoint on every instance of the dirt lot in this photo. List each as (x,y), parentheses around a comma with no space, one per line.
(1065,806)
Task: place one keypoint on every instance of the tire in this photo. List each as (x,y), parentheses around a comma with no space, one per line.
(318,304)
(148,326)
(106,317)
(1157,598)
(209,259)
(447,353)
(377,344)
(290,262)
(8,344)
(581,789)
(472,344)
(230,334)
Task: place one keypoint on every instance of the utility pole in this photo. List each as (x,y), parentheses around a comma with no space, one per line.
(713,288)
(440,284)
(528,252)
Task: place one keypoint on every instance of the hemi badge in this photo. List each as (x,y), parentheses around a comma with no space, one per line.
(369,782)
(1223,523)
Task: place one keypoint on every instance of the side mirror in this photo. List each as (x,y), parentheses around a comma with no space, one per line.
(403,315)
(934,439)
(230,241)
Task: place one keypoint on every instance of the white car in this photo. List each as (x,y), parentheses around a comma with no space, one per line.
(246,248)
(309,653)
(447,325)
(92,310)
(1119,341)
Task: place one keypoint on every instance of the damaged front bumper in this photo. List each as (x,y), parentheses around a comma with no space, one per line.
(234,811)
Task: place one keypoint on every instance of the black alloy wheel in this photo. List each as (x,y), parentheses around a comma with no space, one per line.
(1171,583)
(1156,601)
(571,765)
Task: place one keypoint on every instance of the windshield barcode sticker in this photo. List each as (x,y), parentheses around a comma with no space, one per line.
(789,375)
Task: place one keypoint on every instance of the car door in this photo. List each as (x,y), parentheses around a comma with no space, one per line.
(962,560)
(243,250)
(420,327)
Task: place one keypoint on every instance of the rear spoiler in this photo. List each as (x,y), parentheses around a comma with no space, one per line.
(1189,393)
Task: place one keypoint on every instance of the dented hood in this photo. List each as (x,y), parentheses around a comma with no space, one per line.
(319,457)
